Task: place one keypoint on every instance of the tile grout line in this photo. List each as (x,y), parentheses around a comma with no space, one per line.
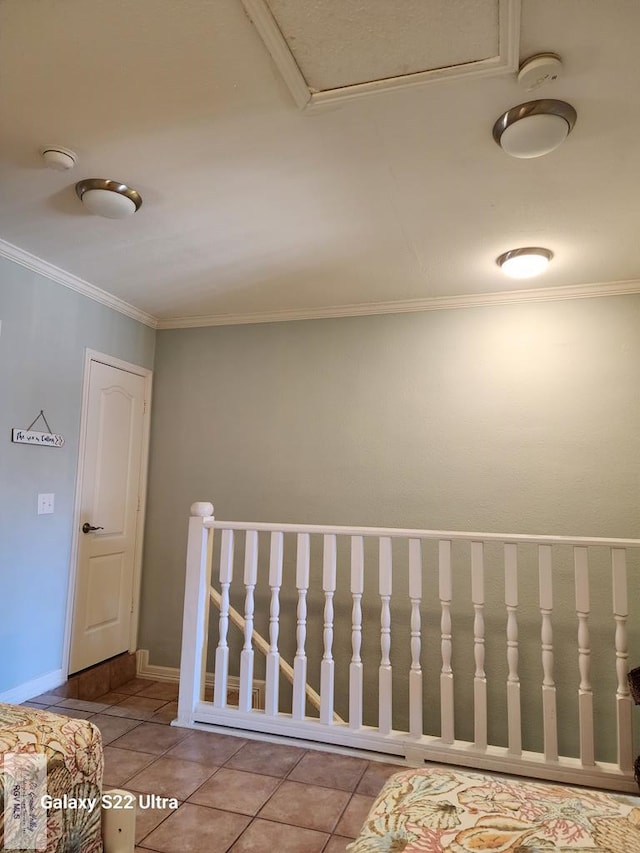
(225,765)
(331,832)
(353,793)
(254,817)
(162,755)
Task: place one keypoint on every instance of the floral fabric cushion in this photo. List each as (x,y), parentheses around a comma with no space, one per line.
(448,811)
(73,749)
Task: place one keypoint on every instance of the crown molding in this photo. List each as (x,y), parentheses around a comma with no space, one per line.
(364,309)
(435,303)
(67,279)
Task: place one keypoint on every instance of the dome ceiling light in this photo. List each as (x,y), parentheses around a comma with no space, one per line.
(524,263)
(535,128)
(108,198)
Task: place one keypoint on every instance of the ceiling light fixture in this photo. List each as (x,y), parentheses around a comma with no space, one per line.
(108,198)
(524,263)
(535,128)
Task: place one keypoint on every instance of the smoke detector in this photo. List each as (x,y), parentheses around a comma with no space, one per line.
(539,70)
(58,158)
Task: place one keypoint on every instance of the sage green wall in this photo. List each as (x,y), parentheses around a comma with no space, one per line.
(521,418)
(45,330)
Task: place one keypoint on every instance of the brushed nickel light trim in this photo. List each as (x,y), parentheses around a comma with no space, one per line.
(113,186)
(543,106)
(536,252)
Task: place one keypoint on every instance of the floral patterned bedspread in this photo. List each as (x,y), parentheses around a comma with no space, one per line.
(448,811)
(74,765)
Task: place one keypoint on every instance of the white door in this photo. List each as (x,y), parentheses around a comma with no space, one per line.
(112,468)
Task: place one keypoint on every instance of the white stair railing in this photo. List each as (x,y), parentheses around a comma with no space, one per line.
(356,667)
(549,709)
(415,674)
(585,692)
(412,675)
(480,677)
(623,698)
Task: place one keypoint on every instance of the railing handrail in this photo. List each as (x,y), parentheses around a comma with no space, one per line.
(420,741)
(417,533)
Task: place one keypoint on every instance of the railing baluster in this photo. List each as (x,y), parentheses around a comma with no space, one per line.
(300,660)
(246,656)
(480,677)
(327,674)
(414,741)
(222,652)
(623,698)
(513,679)
(446,673)
(549,715)
(415,673)
(385,711)
(355,667)
(273,658)
(585,693)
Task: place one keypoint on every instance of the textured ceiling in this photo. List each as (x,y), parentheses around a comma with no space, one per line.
(255,208)
(340,43)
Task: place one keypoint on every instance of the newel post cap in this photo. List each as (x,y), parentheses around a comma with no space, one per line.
(202,508)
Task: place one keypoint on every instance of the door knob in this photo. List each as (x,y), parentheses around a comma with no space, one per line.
(89,528)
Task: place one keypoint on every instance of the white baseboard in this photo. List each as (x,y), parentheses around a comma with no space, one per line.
(29,689)
(144,669)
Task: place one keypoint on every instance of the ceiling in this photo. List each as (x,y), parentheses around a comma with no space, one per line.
(256,209)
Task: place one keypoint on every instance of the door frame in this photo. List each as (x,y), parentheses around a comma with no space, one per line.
(147,374)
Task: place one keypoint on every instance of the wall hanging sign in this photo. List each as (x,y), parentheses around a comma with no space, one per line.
(31,436)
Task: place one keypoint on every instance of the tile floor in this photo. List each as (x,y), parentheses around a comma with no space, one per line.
(238,795)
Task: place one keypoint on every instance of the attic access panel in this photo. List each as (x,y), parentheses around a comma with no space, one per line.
(329,50)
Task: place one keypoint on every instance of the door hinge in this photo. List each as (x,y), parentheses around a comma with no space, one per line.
(144,409)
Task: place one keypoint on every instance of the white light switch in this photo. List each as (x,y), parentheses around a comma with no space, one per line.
(45,504)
